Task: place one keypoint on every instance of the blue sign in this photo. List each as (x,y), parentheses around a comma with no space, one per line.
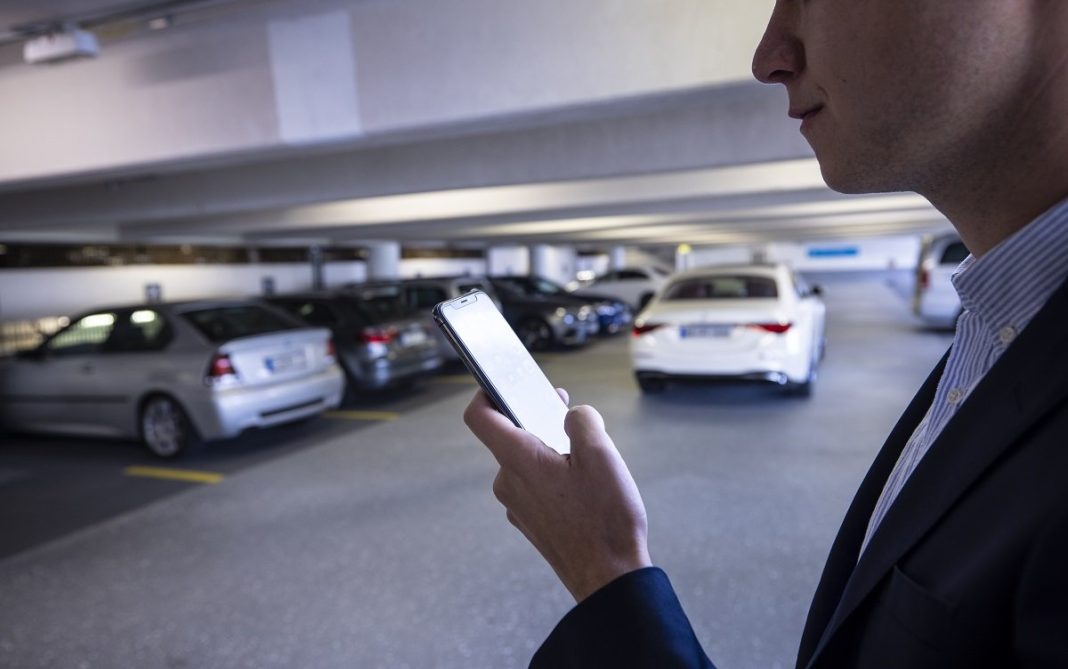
(835,252)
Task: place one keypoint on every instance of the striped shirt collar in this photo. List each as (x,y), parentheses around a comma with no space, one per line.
(1012,282)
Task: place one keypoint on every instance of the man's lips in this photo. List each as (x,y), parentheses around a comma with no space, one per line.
(805,112)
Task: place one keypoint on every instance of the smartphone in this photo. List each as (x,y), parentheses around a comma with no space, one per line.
(503,367)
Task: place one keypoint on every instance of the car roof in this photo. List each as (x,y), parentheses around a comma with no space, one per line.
(308,295)
(177,306)
(765,269)
(451,277)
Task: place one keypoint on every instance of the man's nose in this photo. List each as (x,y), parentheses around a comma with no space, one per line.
(780,55)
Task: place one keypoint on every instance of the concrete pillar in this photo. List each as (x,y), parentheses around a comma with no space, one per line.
(683,257)
(384,260)
(315,256)
(541,260)
(502,260)
(618,257)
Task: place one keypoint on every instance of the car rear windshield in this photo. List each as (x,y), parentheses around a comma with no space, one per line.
(380,303)
(221,324)
(723,287)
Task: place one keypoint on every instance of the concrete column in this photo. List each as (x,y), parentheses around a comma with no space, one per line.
(501,260)
(315,256)
(618,257)
(683,257)
(541,260)
(384,260)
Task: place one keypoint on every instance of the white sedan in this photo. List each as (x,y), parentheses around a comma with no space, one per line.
(741,322)
(634,285)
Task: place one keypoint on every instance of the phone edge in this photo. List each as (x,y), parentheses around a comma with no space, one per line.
(469,362)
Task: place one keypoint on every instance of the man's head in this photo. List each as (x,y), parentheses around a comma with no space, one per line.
(903,94)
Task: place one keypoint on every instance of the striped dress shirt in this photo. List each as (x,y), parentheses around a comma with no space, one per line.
(1000,293)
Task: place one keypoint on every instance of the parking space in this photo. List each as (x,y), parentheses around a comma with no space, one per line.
(53,485)
(369,537)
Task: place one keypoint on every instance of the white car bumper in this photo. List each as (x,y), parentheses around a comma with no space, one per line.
(234,410)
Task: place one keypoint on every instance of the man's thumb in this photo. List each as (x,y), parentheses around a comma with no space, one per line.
(585,428)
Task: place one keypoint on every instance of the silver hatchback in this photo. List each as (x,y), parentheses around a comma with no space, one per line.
(172,374)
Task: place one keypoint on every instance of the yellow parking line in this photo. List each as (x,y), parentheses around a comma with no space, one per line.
(465,379)
(363,415)
(174,474)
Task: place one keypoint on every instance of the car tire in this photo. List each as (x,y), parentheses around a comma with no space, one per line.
(651,386)
(166,430)
(535,334)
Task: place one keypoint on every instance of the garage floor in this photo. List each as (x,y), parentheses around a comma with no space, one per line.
(361,541)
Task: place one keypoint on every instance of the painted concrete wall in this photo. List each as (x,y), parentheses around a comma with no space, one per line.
(38,293)
(715,255)
(508,260)
(283,74)
(871,254)
(879,253)
(419,267)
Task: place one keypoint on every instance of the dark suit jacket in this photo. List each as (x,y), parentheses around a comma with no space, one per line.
(969,568)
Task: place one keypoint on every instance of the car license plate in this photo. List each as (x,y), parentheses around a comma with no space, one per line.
(285,361)
(413,338)
(705,331)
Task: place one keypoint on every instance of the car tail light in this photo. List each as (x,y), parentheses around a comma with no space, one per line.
(221,367)
(378,335)
(645,328)
(777,328)
(331,350)
(925,279)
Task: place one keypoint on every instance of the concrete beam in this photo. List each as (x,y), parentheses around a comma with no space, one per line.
(699,129)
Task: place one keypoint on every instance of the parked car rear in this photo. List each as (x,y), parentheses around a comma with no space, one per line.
(421,294)
(172,374)
(935,300)
(731,322)
(378,343)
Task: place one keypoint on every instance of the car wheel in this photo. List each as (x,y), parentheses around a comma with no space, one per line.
(535,334)
(651,386)
(165,429)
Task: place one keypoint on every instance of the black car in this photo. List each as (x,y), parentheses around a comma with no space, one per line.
(545,321)
(613,315)
(377,344)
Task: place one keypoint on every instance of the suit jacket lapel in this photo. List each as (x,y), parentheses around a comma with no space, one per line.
(1027,381)
(843,555)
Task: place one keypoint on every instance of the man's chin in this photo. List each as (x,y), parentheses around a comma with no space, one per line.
(855,179)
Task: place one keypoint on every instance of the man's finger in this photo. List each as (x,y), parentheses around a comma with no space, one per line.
(564,396)
(585,428)
(511,446)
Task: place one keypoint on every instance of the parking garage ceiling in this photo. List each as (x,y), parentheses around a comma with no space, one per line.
(342,122)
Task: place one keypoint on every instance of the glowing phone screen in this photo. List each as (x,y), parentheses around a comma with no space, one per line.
(517,382)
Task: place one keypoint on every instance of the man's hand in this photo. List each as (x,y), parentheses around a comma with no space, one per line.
(582,512)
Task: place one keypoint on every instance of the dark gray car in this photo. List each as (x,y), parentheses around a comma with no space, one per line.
(377,344)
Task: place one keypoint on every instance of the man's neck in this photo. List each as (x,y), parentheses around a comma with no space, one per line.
(987,219)
(1021,171)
